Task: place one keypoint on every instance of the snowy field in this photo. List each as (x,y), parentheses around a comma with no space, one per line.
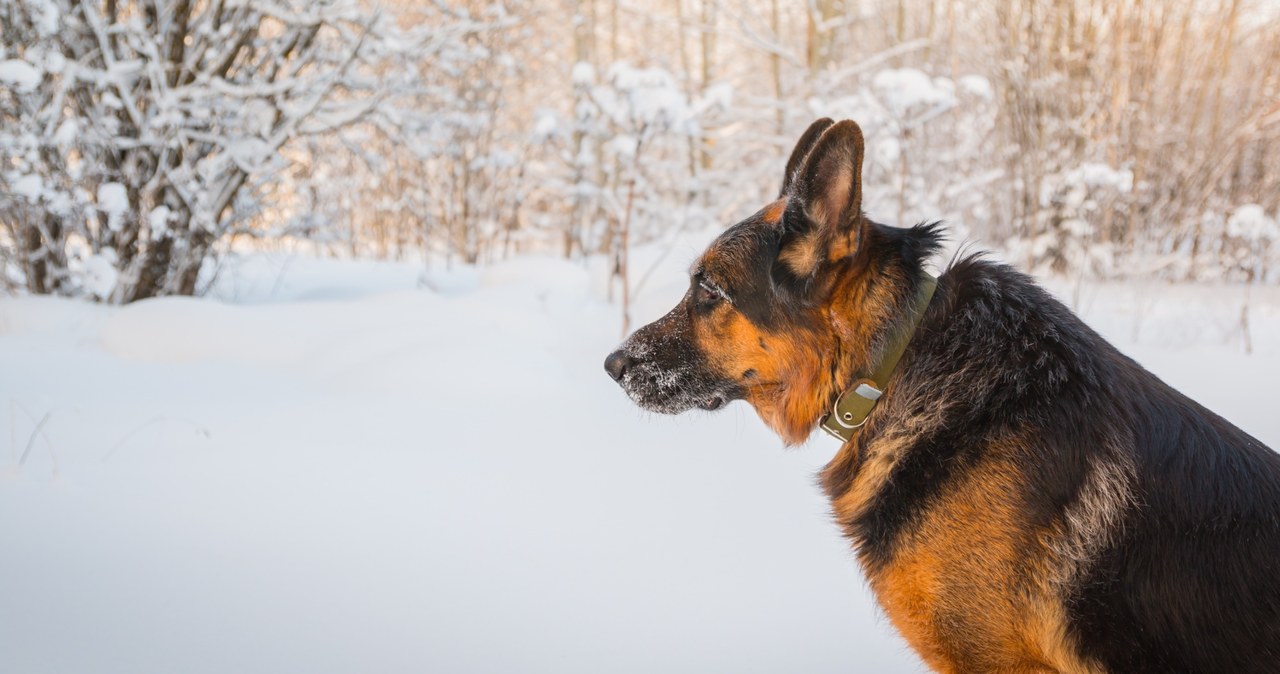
(337,466)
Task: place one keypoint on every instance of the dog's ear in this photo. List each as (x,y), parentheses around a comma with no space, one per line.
(825,197)
(803,147)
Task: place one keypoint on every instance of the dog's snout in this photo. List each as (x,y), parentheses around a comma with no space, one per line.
(617,364)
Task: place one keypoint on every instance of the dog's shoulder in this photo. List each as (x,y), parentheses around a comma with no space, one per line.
(1153,522)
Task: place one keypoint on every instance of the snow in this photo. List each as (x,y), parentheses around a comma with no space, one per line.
(67,133)
(717,96)
(99,275)
(30,187)
(622,146)
(158,219)
(583,74)
(1094,175)
(645,97)
(1250,222)
(340,466)
(47,15)
(19,74)
(113,200)
(977,85)
(908,92)
(249,153)
(545,125)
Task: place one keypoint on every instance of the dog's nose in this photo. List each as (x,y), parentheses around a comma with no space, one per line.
(617,364)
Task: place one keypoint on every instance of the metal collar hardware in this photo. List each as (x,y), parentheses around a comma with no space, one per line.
(852,408)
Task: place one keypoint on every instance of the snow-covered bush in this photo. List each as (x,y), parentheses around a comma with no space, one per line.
(136,135)
(928,138)
(1251,236)
(448,171)
(1079,207)
(626,161)
(631,159)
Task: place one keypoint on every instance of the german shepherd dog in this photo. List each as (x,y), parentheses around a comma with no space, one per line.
(1022,497)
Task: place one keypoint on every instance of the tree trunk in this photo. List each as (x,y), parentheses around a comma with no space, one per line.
(709,8)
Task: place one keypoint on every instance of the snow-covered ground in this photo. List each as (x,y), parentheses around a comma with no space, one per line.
(354,467)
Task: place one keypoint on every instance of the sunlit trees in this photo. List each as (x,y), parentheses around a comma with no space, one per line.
(136,141)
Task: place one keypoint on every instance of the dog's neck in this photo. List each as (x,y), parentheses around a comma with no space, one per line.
(892,296)
(851,408)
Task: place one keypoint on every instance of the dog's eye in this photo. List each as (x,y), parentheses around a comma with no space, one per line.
(707,293)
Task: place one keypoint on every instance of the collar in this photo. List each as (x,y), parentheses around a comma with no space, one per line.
(855,404)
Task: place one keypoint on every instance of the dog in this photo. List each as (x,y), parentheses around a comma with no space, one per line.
(1020,495)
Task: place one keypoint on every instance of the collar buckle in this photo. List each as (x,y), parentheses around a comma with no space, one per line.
(852,409)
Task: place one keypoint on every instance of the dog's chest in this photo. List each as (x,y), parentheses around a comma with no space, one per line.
(958,578)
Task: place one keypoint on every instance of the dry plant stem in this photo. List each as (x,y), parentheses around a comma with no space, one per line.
(31,439)
(624,252)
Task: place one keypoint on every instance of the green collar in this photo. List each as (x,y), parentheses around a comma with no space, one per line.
(852,407)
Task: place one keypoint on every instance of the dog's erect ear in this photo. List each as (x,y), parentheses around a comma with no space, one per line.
(827,188)
(803,147)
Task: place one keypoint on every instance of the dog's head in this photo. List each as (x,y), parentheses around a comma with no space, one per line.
(780,308)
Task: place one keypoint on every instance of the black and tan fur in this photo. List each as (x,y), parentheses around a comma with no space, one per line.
(1024,498)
